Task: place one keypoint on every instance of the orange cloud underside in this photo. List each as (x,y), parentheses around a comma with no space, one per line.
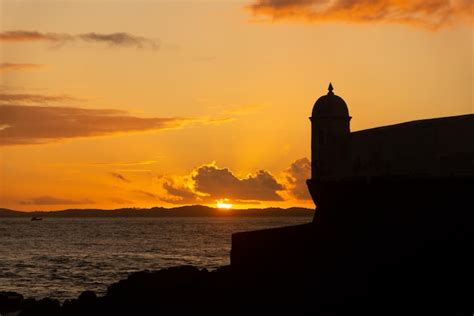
(42,124)
(426,13)
(4,67)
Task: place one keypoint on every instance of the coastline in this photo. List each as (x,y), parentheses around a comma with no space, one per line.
(184,211)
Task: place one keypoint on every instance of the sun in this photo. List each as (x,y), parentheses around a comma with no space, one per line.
(223,204)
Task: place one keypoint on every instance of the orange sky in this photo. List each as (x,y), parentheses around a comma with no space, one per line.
(116,104)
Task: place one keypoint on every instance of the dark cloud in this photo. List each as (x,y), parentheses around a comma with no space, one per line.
(113,39)
(426,13)
(22,124)
(8,98)
(178,194)
(4,67)
(120,39)
(27,36)
(119,177)
(49,200)
(211,183)
(296,176)
(222,183)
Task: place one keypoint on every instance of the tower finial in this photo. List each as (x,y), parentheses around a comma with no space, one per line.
(330,88)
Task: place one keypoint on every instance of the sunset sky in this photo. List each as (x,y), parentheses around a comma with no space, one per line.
(111,104)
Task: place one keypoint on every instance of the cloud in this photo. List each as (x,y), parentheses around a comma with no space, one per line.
(146,193)
(124,164)
(209,183)
(8,98)
(179,193)
(120,39)
(119,177)
(4,67)
(222,183)
(296,177)
(23,124)
(49,200)
(113,39)
(431,14)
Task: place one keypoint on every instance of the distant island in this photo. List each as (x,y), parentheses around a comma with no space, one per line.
(183,211)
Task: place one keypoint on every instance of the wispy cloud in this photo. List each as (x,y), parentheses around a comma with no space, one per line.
(5,67)
(431,14)
(124,164)
(24,124)
(146,193)
(27,118)
(119,177)
(8,98)
(50,200)
(113,39)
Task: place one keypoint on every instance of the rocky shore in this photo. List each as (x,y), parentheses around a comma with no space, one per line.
(183,290)
(187,290)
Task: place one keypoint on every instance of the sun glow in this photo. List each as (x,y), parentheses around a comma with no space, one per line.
(223,204)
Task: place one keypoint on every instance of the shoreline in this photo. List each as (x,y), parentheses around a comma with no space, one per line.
(161,212)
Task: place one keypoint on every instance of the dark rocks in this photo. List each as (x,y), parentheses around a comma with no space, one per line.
(43,307)
(178,289)
(86,304)
(346,288)
(10,302)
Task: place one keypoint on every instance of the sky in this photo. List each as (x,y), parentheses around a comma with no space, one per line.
(111,104)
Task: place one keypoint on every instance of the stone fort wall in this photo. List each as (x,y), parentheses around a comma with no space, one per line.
(432,147)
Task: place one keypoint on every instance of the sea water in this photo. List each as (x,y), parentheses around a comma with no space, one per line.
(60,258)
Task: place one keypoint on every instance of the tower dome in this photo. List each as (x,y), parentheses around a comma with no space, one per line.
(330,105)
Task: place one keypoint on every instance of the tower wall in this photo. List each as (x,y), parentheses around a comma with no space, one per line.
(330,138)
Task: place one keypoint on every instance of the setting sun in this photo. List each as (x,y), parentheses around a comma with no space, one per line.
(223,204)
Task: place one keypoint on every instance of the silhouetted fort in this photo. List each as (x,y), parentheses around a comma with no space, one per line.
(393,210)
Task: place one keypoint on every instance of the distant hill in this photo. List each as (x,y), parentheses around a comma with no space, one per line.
(183,211)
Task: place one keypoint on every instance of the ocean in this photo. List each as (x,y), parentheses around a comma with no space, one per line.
(60,258)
